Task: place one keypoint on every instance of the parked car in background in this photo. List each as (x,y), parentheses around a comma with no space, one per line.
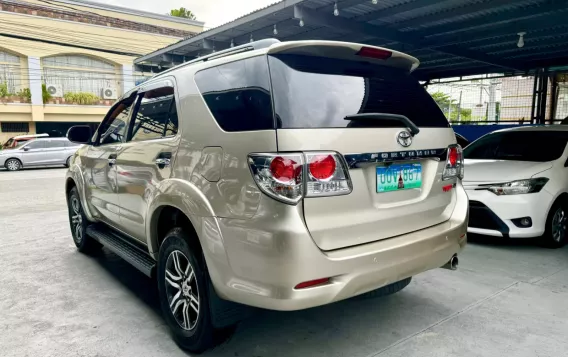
(332,175)
(17,140)
(462,141)
(517,183)
(38,152)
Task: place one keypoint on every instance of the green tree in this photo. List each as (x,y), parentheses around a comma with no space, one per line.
(449,107)
(182,12)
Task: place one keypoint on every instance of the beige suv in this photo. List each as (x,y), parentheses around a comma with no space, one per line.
(275,175)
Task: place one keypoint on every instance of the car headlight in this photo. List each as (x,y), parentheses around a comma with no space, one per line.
(517,187)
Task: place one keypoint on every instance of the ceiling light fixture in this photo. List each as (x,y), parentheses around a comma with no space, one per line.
(521,42)
(335,9)
(301,22)
(374,2)
(251,38)
(275,31)
(232,43)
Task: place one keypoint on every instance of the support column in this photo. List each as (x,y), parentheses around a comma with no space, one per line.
(34,75)
(127,78)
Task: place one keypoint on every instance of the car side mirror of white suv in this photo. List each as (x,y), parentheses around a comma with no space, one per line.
(80,134)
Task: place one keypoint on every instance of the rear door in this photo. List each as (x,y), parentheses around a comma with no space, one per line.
(396,177)
(148,154)
(55,152)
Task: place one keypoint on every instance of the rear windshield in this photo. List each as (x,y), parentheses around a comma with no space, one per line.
(537,146)
(314,92)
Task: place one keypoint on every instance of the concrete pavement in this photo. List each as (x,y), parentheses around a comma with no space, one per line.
(506,299)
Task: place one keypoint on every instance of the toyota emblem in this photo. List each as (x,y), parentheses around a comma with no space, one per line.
(404,138)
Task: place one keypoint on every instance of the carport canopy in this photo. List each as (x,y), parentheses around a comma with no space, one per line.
(451,38)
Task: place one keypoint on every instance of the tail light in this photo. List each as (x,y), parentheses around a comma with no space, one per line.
(454,163)
(290,177)
(279,176)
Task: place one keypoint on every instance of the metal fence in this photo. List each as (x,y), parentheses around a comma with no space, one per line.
(498,99)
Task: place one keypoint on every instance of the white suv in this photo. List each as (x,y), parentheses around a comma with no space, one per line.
(517,183)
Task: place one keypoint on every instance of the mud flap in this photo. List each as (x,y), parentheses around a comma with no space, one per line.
(226,313)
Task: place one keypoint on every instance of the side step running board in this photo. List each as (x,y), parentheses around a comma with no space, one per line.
(121,247)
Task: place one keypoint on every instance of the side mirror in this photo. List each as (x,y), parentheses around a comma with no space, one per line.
(26,148)
(80,134)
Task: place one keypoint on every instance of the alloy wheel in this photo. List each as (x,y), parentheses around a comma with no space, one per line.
(76,219)
(13,165)
(182,290)
(559,225)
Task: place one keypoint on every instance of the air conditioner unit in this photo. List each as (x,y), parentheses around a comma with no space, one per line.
(109,93)
(54,90)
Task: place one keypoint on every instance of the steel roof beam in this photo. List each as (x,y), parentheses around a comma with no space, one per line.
(551,7)
(453,13)
(314,17)
(395,10)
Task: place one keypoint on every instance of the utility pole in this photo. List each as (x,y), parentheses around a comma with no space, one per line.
(460,106)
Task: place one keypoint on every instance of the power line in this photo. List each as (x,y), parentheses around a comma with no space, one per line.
(69,45)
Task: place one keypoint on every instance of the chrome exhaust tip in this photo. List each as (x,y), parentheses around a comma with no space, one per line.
(452,264)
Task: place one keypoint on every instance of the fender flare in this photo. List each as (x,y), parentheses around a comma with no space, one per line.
(179,194)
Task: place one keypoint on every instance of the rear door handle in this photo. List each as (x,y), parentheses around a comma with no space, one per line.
(164,159)
(112,160)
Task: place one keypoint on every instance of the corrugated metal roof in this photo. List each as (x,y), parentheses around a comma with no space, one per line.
(448,35)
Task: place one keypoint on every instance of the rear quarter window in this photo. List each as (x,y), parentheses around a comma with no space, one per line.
(238,94)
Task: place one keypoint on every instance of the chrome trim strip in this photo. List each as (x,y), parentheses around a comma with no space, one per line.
(353,160)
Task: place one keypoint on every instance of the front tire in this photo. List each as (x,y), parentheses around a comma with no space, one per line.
(78,223)
(555,233)
(13,165)
(182,285)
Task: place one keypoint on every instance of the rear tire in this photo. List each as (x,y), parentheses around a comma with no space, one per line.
(78,223)
(555,233)
(13,165)
(387,290)
(182,284)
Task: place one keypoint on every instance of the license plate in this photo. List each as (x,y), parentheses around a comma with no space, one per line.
(397,177)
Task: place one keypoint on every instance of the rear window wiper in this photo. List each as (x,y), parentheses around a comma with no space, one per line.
(387,116)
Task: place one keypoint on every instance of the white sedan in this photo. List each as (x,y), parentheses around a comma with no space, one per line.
(517,183)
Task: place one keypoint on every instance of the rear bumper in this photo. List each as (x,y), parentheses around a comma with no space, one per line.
(271,253)
(493,215)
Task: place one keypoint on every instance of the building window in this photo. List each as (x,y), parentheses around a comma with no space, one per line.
(15,127)
(10,72)
(80,74)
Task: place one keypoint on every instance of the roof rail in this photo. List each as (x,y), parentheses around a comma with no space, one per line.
(251,46)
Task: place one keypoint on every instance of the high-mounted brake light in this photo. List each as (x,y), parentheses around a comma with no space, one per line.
(374,53)
(454,163)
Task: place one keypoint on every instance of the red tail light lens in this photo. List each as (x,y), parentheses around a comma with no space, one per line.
(453,156)
(283,169)
(322,167)
(377,53)
(454,163)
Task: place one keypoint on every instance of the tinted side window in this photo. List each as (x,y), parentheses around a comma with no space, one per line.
(238,94)
(314,92)
(39,144)
(156,116)
(537,146)
(112,130)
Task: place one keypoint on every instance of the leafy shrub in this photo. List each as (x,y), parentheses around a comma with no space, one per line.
(4,90)
(25,93)
(81,98)
(46,96)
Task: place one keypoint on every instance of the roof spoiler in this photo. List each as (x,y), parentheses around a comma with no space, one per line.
(347,51)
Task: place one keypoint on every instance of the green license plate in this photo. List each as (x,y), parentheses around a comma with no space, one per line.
(397,177)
